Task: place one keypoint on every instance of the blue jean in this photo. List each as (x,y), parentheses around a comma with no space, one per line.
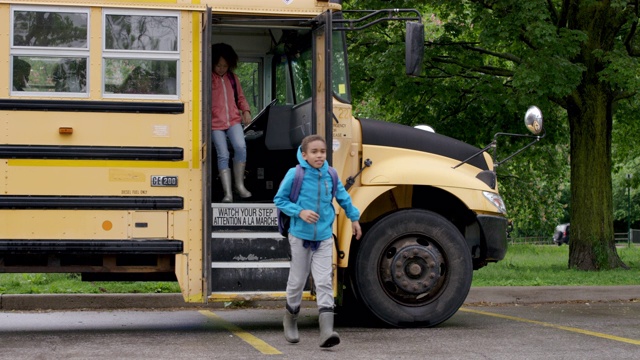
(236,137)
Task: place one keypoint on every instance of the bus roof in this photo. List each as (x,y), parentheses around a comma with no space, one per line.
(256,7)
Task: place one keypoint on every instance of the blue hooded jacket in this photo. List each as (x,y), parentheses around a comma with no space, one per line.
(315,194)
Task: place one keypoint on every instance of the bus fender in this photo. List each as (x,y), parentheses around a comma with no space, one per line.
(361,197)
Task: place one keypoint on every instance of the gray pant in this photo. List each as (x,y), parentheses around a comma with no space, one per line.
(319,262)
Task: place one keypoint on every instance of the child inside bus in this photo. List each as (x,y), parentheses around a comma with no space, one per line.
(311,236)
(21,72)
(230,111)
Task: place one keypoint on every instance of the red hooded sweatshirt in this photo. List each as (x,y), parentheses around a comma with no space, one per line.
(224,110)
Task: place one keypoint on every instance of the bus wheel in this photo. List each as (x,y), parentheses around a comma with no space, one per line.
(413,268)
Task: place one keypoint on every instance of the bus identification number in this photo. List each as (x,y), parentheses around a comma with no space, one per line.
(161,180)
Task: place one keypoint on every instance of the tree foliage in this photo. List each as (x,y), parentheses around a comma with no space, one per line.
(626,160)
(486,61)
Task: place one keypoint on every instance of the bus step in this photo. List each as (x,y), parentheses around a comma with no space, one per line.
(226,296)
(251,276)
(242,247)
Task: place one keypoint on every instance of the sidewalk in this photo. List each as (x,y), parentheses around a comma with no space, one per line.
(477,296)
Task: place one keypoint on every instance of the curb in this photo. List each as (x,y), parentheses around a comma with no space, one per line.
(551,294)
(477,296)
(34,302)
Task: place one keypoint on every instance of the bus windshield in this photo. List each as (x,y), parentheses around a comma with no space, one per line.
(339,68)
(294,68)
(294,65)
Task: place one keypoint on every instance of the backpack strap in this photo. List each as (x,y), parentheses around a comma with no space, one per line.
(334,176)
(297,184)
(232,80)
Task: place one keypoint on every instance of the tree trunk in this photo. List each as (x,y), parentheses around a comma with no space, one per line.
(592,243)
(590,111)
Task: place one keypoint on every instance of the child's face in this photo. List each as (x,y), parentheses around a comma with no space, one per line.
(316,154)
(221,67)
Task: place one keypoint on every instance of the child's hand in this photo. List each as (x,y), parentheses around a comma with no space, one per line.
(246,118)
(357,231)
(309,216)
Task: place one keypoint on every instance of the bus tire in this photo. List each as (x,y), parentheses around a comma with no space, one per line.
(413,269)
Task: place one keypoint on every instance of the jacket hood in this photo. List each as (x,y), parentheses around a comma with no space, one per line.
(306,165)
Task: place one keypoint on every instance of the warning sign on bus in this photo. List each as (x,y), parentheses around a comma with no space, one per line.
(244,216)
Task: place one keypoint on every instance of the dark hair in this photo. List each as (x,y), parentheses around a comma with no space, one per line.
(309,139)
(21,72)
(222,50)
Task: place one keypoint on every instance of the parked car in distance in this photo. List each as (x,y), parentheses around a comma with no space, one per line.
(561,234)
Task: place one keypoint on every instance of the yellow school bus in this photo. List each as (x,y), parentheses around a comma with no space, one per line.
(107,170)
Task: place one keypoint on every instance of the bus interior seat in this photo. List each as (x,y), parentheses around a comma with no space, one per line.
(300,124)
(277,137)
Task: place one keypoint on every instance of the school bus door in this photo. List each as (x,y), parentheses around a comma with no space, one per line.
(322,109)
(206,153)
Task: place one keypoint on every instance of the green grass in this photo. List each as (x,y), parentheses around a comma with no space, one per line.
(524,265)
(71,284)
(547,265)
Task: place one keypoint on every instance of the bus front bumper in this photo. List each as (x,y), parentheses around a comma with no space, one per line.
(494,233)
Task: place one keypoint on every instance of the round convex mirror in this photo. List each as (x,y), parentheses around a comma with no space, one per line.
(533,120)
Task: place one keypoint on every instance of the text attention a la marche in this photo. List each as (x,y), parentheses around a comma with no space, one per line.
(245,217)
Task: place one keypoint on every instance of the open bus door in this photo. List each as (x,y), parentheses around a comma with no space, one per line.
(246,257)
(206,153)
(322,94)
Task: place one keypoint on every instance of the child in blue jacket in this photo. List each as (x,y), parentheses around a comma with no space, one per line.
(311,236)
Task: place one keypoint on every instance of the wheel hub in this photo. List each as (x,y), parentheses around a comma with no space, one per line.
(416,268)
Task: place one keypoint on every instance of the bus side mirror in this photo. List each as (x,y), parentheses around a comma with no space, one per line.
(414,48)
(533,120)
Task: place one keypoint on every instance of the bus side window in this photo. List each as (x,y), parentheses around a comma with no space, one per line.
(69,75)
(140,81)
(147,82)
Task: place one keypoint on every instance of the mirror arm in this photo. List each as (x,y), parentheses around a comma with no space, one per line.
(536,139)
(391,15)
(516,135)
(494,143)
(491,145)
(352,179)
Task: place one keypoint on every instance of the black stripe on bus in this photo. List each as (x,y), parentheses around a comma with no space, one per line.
(91,152)
(91,202)
(92,106)
(91,247)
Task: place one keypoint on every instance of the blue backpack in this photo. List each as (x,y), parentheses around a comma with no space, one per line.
(283,219)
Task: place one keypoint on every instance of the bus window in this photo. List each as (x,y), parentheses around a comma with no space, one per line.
(144,77)
(56,59)
(294,68)
(283,91)
(301,66)
(141,53)
(339,69)
(250,73)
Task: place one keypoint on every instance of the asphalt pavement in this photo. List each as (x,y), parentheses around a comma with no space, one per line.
(477,296)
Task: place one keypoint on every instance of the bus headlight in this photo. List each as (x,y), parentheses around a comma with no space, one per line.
(496,200)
